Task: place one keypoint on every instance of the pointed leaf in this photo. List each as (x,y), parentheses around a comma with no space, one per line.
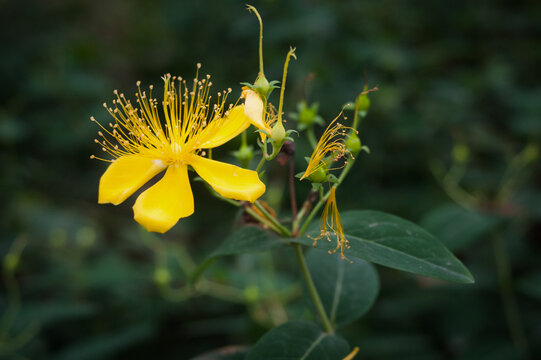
(394,242)
(347,290)
(456,226)
(299,340)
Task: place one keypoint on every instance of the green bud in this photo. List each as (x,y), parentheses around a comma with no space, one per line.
(353,143)
(85,237)
(318,176)
(244,155)
(363,103)
(278,133)
(262,85)
(162,276)
(307,114)
(251,293)
(11,261)
(461,153)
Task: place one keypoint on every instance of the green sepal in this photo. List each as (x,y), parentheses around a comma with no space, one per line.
(317,186)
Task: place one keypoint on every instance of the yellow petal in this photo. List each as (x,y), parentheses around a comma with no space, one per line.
(125,175)
(220,131)
(228,180)
(253,108)
(162,205)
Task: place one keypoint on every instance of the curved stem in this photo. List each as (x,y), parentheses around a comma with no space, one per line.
(282,229)
(290,54)
(312,289)
(311,137)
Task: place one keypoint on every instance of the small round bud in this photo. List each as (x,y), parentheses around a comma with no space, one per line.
(162,276)
(353,143)
(11,261)
(262,85)
(251,293)
(278,132)
(244,155)
(307,115)
(363,102)
(318,176)
(461,153)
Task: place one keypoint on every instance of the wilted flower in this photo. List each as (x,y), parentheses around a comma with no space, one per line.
(331,225)
(330,148)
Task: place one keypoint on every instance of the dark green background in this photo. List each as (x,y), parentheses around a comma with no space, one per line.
(448,72)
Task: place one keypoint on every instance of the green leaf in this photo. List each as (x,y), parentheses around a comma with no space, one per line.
(299,340)
(396,243)
(456,226)
(347,290)
(247,239)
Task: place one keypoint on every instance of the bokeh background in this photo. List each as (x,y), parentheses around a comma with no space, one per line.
(454,132)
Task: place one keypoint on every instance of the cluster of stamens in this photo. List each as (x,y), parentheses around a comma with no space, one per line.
(330,148)
(138,129)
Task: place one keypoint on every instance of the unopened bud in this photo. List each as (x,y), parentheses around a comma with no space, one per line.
(278,132)
(353,143)
(162,276)
(461,153)
(307,114)
(244,155)
(262,85)
(11,261)
(318,176)
(363,103)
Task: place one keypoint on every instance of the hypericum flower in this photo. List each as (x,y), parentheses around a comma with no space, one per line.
(330,148)
(143,147)
(331,224)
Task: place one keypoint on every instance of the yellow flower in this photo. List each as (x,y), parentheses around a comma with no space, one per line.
(254,108)
(331,224)
(330,147)
(144,147)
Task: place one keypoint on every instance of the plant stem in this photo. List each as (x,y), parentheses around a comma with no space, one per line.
(261,162)
(312,289)
(311,137)
(292,188)
(281,228)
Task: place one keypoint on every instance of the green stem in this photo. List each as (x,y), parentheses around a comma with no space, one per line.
(290,54)
(311,137)
(261,162)
(283,230)
(312,289)
(200,269)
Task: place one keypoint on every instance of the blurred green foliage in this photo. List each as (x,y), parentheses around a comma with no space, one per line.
(82,281)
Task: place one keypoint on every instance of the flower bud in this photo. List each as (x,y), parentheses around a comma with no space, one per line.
(363,103)
(11,261)
(307,114)
(162,276)
(278,133)
(461,153)
(244,155)
(318,176)
(353,143)
(262,86)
